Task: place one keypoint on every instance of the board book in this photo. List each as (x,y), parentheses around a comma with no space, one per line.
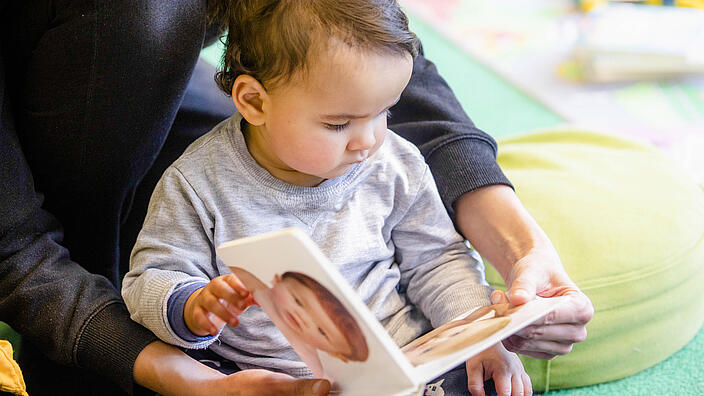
(339,338)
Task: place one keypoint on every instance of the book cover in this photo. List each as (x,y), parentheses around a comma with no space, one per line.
(336,335)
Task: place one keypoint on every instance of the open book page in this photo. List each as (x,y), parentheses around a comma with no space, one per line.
(456,341)
(325,321)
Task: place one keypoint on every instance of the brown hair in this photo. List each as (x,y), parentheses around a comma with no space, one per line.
(359,351)
(271,39)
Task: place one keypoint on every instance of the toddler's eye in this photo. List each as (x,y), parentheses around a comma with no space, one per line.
(322,332)
(336,127)
(298,302)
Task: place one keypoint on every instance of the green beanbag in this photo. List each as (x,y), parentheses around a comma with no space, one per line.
(629,227)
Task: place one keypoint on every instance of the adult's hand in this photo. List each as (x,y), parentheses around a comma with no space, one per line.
(168,371)
(499,227)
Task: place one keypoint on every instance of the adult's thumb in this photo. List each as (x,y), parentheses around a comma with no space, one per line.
(522,290)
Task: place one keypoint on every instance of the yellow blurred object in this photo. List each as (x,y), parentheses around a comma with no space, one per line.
(678,3)
(588,5)
(11,379)
(690,3)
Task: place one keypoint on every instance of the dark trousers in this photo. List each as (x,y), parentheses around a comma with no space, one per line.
(452,383)
(102,95)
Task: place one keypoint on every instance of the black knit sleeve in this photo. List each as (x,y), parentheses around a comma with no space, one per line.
(462,158)
(74,317)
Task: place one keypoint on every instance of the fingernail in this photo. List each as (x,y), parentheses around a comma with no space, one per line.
(223,302)
(243,293)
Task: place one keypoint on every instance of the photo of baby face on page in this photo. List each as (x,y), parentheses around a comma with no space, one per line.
(309,316)
(457,334)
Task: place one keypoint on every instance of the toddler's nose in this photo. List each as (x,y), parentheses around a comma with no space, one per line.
(362,140)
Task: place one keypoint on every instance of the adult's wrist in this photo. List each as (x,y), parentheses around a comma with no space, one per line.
(110,342)
(167,370)
(496,224)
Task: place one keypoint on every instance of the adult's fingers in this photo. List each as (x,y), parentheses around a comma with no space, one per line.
(523,289)
(538,349)
(577,309)
(564,333)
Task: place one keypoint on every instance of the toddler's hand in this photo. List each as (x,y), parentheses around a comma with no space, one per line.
(209,308)
(504,367)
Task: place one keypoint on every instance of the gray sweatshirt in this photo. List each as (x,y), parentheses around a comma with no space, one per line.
(382,224)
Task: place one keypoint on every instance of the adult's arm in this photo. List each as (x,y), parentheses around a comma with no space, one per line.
(501,229)
(72,316)
(168,370)
(487,212)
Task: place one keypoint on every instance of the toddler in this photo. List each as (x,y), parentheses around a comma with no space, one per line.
(313,82)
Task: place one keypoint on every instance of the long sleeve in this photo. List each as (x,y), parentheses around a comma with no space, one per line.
(461,156)
(173,250)
(438,271)
(73,316)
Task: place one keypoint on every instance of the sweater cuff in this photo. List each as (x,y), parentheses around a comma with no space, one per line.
(463,165)
(110,342)
(175,307)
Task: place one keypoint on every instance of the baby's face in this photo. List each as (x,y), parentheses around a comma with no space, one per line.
(301,311)
(321,123)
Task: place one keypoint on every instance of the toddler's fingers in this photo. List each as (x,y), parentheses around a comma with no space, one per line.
(527,384)
(223,290)
(498,297)
(219,308)
(236,284)
(200,317)
(475,379)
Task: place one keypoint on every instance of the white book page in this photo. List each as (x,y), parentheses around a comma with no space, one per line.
(456,341)
(325,321)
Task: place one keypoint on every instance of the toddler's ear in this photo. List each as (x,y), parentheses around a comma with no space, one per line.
(249,96)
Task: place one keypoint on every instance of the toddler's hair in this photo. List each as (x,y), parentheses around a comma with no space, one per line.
(271,39)
(338,313)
